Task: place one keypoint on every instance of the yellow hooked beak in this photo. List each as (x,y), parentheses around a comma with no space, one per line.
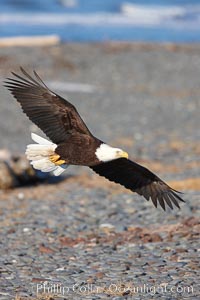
(123,154)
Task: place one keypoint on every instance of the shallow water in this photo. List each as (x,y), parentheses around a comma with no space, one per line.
(102,20)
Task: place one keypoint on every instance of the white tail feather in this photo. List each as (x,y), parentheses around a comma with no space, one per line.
(60,169)
(40,153)
(40,140)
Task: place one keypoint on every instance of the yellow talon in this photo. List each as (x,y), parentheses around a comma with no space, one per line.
(60,162)
(55,159)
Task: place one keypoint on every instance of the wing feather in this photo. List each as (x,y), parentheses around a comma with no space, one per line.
(140,180)
(55,116)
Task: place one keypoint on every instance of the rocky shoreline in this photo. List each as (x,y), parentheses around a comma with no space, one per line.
(83,237)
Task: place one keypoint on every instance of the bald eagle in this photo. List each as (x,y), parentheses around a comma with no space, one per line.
(72,143)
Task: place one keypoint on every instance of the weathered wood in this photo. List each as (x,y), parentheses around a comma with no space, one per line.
(30,41)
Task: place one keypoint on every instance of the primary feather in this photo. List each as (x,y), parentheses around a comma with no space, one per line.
(54,115)
(140,180)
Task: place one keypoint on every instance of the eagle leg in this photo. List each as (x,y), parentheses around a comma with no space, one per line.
(55,159)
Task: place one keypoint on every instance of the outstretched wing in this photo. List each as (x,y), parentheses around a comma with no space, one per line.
(140,180)
(55,116)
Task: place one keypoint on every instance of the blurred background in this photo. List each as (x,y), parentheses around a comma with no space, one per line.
(102,20)
(132,69)
(151,83)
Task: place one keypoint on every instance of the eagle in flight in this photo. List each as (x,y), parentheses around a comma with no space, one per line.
(72,143)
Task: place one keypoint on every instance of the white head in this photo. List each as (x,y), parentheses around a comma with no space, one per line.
(106,153)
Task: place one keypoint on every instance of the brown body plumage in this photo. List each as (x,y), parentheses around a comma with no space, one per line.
(74,144)
(79,149)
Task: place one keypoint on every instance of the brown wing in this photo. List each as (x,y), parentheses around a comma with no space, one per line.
(140,180)
(55,116)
